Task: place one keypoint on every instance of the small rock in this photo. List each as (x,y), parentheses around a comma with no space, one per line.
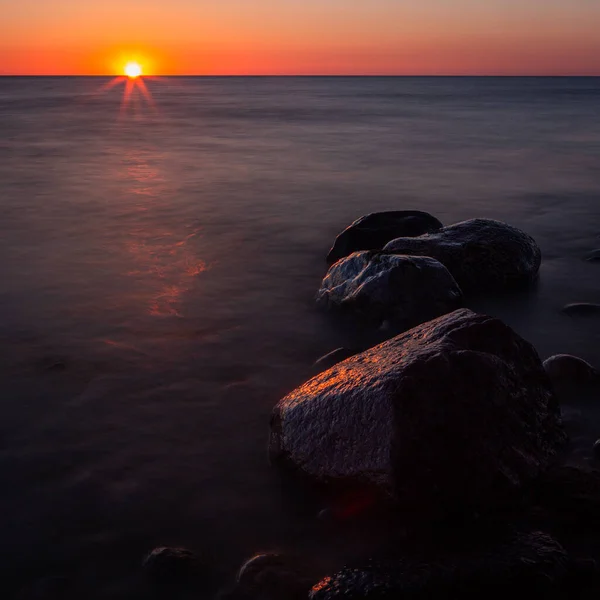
(583,309)
(170,565)
(334,357)
(597,449)
(568,368)
(272,576)
(407,290)
(374,231)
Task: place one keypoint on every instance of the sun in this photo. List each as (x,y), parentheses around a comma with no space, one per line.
(133,70)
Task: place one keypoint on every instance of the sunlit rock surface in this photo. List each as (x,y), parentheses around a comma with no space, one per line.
(405,289)
(481,254)
(526,564)
(374,231)
(455,413)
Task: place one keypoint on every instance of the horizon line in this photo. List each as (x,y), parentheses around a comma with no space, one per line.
(588,75)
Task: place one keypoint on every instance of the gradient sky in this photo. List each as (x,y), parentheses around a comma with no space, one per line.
(301,36)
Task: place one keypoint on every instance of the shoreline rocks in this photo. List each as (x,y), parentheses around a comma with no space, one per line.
(406,290)
(524,563)
(481,254)
(375,230)
(456,414)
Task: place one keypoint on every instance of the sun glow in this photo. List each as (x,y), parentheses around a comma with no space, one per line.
(133,70)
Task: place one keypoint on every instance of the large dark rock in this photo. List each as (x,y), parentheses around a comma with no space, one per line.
(526,565)
(374,231)
(456,414)
(481,254)
(407,290)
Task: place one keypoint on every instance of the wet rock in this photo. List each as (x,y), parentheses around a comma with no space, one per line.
(482,254)
(272,576)
(334,357)
(593,256)
(454,414)
(581,309)
(525,564)
(407,290)
(374,231)
(565,368)
(170,565)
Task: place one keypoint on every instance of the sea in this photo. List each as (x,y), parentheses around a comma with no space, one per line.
(161,244)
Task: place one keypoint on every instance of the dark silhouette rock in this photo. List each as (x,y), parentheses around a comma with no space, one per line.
(581,309)
(374,231)
(170,565)
(481,254)
(407,290)
(334,357)
(593,256)
(565,368)
(453,415)
(526,564)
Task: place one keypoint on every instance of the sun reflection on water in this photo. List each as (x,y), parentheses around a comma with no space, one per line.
(165,260)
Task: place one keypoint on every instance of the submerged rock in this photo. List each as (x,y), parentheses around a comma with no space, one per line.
(374,231)
(272,576)
(583,309)
(593,256)
(170,565)
(526,564)
(481,254)
(453,415)
(407,290)
(565,368)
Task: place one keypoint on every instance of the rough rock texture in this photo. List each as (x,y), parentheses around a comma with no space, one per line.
(374,231)
(407,290)
(455,414)
(565,368)
(481,254)
(528,565)
(581,309)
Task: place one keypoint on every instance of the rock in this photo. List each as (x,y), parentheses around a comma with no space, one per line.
(334,357)
(405,289)
(597,449)
(170,565)
(526,564)
(272,576)
(583,309)
(374,231)
(567,498)
(481,254)
(455,414)
(593,256)
(567,368)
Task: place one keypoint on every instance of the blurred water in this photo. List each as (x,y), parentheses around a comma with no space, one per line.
(159,260)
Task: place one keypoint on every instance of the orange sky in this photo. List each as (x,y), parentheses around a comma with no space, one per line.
(300,36)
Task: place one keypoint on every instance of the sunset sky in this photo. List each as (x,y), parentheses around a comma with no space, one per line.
(300,36)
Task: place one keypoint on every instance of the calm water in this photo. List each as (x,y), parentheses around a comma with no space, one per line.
(158,264)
